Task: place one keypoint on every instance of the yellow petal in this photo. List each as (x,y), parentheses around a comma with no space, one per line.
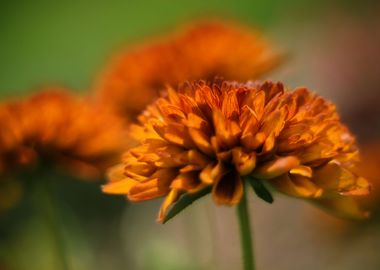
(362,187)
(201,141)
(227,131)
(274,122)
(316,153)
(120,184)
(335,177)
(187,181)
(268,144)
(197,122)
(121,187)
(244,163)
(172,95)
(276,167)
(140,168)
(116,173)
(248,121)
(230,106)
(297,186)
(175,133)
(258,103)
(343,206)
(171,112)
(158,185)
(302,170)
(190,168)
(195,157)
(170,199)
(252,142)
(146,194)
(212,172)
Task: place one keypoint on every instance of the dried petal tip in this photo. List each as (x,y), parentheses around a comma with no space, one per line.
(213,136)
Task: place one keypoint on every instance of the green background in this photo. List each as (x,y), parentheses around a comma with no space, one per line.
(67,42)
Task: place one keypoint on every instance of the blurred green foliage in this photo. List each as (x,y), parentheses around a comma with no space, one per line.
(67,42)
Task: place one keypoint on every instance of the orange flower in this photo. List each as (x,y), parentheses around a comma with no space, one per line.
(56,128)
(217,134)
(202,51)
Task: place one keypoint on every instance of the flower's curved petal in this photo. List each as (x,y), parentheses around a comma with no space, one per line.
(297,186)
(119,187)
(343,206)
(201,140)
(302,170)
(188,182)
(253,141)
(170,199)
(119,183)
(277,167)
(244,162)
(228,131)
(228,189)
(212,173)
(334,177)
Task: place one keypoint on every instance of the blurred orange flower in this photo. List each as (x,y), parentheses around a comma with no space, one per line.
(202,51)
(61,130)
(218,134)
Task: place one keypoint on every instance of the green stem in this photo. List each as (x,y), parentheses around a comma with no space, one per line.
(245,233)
(52,217)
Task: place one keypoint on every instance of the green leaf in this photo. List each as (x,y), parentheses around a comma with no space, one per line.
(260,190)
(184,201)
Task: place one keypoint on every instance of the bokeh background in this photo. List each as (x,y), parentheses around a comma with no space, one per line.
(333,47)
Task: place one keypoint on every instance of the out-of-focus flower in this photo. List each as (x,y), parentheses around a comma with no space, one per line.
(57,129)
(202,51)
(215,135)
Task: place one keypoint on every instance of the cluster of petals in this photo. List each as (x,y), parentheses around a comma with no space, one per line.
(203,50)
(55,128)
(218,134)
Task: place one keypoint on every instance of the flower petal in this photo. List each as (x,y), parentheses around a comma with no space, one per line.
(302,170)
(343,206)
(119,183)
(244,163)
(187,182)
(296,185)
(276,167)
(228,189)
(201,141)
(170,199)
(335,177)
(253,141)
(212,173)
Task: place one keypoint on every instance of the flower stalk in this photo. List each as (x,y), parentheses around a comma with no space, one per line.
(49,206)
(245,233)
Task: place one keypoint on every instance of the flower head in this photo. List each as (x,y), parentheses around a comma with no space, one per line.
(221,133)
(202,51)
(55,127)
